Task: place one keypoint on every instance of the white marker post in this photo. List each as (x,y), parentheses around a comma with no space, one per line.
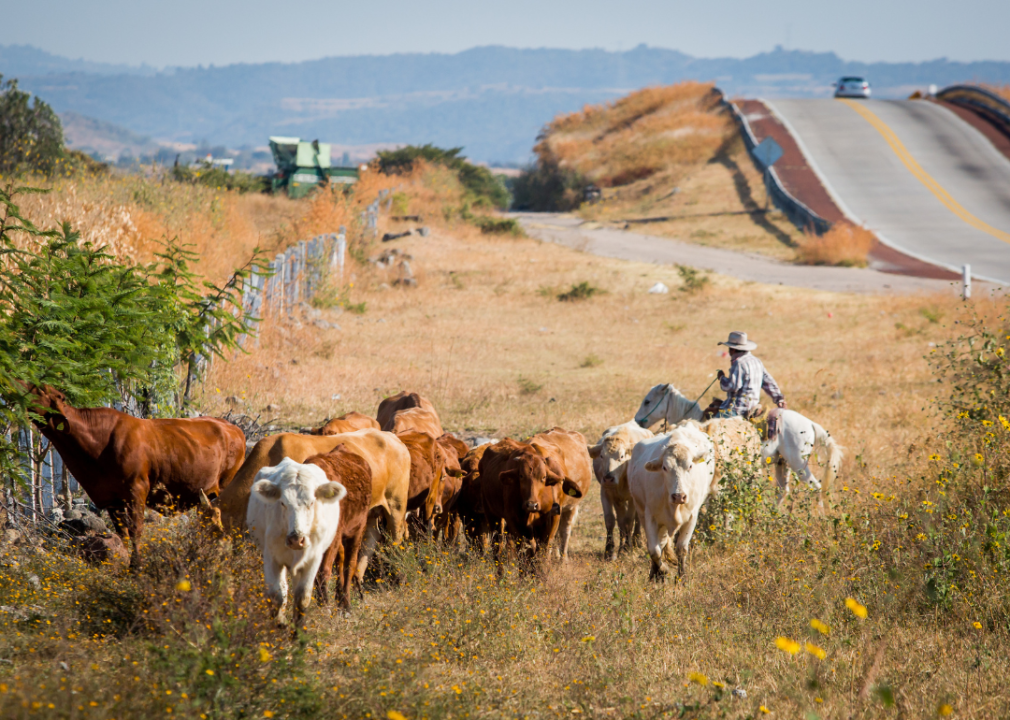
(966,280)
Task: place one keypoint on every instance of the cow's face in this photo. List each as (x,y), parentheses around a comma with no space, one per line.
(653,407)
(536,477)
(446,463)
(675,465)
(296,495)
(610,457)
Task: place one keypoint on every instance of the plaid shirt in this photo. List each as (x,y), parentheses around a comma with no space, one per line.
(747,378)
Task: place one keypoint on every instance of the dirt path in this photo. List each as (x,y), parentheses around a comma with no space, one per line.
(573,232)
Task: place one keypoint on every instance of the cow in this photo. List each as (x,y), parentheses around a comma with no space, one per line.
(293,514)
(348,422)
(392,406)
(670,477)
(518,486)
(461,503)
(610,465)
(352,471)
(125,463)
(385,454)
(419,420)
(429,463)
(569,449)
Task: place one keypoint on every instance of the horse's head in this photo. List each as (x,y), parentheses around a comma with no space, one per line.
(653,407)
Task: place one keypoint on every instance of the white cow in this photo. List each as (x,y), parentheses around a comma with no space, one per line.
(610,465)
(669,477)
(293,515)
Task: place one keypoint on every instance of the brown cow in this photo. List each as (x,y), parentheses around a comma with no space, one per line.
(348,422)
(353,472)
(126,463)
(466,508)
(429,464)
(447,522)
(385,453)
(569,449)
(418,420)
(519,485)
(389,407)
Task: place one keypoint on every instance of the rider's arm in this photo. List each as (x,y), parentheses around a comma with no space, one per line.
(735,380)
(771,387)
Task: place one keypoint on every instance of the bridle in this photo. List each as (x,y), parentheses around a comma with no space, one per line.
(659,402)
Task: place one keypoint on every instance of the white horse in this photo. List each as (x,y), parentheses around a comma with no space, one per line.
(789,450)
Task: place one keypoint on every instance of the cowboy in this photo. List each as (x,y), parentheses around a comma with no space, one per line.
(747,378)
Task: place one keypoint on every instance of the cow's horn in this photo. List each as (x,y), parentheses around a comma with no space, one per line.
(204,500)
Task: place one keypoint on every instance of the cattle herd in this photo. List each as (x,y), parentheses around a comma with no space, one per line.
(330,497)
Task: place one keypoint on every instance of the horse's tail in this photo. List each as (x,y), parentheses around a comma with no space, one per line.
(835,453)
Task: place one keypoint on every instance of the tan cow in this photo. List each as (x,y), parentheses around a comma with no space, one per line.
(385,454)
(348,422)
(610,465)
(569,449)
(392,406)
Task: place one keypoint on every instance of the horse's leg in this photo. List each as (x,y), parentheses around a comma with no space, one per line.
(782,478)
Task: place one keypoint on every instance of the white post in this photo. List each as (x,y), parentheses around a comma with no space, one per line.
(966,281)
(341,251)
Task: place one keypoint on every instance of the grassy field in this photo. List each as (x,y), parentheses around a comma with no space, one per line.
(486,339)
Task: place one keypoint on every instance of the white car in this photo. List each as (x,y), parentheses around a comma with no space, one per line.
(852,87)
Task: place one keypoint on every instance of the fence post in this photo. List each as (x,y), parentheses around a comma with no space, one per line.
(966,282)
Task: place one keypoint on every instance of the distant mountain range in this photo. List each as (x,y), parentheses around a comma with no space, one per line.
(491,100)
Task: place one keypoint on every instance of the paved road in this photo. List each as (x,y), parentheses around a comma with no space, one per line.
(926,182)
(573,232)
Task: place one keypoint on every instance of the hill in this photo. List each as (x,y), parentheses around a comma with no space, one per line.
(491,100)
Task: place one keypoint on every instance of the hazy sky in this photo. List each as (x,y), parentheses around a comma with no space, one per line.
(191,32)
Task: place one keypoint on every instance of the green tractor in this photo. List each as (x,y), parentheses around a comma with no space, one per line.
(303,165)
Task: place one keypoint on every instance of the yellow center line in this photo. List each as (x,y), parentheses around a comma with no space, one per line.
(925,178)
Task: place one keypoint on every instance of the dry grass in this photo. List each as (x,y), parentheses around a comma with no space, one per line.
(590,638)
(1002,90)
(844,244)
(644,133)
(671,152)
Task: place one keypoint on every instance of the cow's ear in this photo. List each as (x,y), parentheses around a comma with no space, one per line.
(508,476)
(570,489)
(267,490)
(654,465)
(700,459)
(595,450)
(455,472)
(331,492)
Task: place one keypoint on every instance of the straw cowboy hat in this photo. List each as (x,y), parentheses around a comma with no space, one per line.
(738,341)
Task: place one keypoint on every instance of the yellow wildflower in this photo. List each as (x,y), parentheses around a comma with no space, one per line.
(183,586)
(265,655)
(786,645)
(394,715)
(764,709)
(978,625)
(819,626)
(944,710)
(817,652)
(697,677)
(857,609)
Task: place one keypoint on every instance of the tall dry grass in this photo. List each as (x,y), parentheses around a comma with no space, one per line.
(639,135)
(844,244)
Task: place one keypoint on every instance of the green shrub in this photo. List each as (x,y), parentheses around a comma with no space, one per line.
(31,136)
(692,279)
(482,187)
(219,178)
(581,291)
(499,226)
(547,187)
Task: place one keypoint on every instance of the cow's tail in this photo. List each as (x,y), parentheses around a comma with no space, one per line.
(835,453)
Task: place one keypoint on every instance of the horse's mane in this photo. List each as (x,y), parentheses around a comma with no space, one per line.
(681,407)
